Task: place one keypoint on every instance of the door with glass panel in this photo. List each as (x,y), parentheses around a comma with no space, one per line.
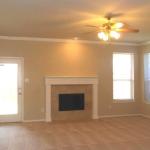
(10,89)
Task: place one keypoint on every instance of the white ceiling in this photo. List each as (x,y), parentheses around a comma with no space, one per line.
(68,18)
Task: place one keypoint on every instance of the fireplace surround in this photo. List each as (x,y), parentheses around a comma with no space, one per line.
(51,81)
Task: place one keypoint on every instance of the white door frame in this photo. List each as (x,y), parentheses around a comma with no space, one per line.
(20,61)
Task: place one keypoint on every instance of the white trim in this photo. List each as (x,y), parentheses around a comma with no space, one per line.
(38,120)
(100,117)
(116,116)
(124,101)
(20,61)
(144,98)
(49,81)
(57,40)
(4,120)
(146,116)
(22,82)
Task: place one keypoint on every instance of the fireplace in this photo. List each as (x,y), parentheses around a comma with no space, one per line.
(71,102)
(61,90)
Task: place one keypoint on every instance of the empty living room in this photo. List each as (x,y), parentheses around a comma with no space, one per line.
(74,75)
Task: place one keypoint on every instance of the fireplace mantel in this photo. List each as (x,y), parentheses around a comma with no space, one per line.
(49,81)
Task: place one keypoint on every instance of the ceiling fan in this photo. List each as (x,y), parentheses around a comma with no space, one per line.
(112,30)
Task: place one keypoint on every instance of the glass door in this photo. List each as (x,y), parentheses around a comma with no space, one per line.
(10,90)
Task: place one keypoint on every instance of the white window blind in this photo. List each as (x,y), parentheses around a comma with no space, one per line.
(123,76)
(147,76)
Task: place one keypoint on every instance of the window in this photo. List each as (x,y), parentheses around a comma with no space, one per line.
(147,76)
(123,76)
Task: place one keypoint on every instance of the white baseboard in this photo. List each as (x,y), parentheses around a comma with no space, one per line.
(40,120)
(100,117)
(146,116)
(115,116)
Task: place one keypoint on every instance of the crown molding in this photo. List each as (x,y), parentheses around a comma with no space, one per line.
(39,39)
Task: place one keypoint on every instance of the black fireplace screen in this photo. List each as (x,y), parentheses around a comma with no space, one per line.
(69,102)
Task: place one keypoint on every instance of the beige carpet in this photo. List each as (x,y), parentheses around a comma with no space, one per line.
(124,133)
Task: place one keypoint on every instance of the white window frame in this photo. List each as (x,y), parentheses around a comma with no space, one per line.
(131,80)
(147,101)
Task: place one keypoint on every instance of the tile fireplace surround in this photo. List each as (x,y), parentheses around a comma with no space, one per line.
(51,81)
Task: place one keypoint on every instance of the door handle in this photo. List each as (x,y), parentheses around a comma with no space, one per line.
(19,91)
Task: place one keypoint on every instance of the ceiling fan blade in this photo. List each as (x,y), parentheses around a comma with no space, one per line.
(112,15)
(89,32)
(92,26)
(128,30)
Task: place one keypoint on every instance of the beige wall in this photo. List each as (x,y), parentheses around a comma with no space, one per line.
(69,59)
(145,107)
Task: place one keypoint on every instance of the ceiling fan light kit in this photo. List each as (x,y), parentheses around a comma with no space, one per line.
(112,30)
(118,25)
(105,36)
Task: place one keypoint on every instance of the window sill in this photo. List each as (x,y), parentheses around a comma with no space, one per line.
(123,101)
